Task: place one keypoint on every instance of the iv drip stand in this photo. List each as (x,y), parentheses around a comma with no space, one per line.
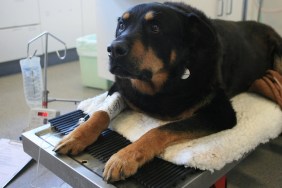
(45,91)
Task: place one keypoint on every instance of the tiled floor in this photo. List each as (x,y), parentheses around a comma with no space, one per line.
(262,168)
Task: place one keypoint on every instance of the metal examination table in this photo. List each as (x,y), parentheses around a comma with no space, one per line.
(85,170)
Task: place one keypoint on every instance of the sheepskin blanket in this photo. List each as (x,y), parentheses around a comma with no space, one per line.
(259,120)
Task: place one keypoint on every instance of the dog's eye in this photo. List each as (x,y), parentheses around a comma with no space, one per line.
(121,26)
(155,28)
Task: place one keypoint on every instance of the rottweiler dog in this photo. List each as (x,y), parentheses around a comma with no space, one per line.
(172,62)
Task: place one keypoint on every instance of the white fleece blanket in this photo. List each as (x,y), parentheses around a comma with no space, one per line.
(259,120)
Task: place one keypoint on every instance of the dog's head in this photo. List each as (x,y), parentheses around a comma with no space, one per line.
(154,42)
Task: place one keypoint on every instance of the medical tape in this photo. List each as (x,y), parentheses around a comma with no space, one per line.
(113,105)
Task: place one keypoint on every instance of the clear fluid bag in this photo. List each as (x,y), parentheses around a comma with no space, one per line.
(32,81)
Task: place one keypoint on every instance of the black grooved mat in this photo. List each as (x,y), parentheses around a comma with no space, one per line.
(157,173)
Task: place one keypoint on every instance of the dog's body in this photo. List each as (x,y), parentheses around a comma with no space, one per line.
(155,46)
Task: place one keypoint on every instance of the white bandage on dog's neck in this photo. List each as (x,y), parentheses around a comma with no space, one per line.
(113,105)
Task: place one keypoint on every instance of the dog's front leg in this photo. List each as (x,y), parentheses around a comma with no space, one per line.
(127,161)
(88,132)
(217,116)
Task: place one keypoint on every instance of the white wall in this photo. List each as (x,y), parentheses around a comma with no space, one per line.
(63,18)
(88,16)
(271,14)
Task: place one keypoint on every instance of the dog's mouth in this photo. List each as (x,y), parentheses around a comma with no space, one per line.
(121,72)
(144,75)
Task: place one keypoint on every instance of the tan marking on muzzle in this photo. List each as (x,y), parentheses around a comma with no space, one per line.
(151,62)
(147,60)
(146,57)
(138,50)
(142,86)
(147,88)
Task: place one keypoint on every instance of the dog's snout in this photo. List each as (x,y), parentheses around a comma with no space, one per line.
(118,49)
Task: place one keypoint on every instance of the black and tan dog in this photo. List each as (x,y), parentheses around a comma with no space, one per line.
(172,62)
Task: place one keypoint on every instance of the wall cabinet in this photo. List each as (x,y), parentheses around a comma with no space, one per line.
(221,9)
(21,20)
(18,13)
(230,9)
(14,42)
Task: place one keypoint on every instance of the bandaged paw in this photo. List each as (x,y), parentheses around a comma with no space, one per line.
(112,104)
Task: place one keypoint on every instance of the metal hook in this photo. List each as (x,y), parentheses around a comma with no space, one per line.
(65,51)
(28,56)
(32,55)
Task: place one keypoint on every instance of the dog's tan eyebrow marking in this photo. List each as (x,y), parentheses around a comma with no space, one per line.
(126,15)
(149,16)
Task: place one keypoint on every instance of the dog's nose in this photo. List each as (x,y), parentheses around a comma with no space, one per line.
(117,49)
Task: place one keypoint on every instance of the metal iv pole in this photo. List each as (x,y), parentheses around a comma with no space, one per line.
(45,91)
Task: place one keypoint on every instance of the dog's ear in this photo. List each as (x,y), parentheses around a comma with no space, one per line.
(197,27)
(201,26)
(200,41)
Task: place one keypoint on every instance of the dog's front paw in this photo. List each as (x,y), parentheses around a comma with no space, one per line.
(77,140)
(83,135)
(70,145)
(122,165)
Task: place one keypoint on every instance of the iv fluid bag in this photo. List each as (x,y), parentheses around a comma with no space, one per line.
(32,81)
